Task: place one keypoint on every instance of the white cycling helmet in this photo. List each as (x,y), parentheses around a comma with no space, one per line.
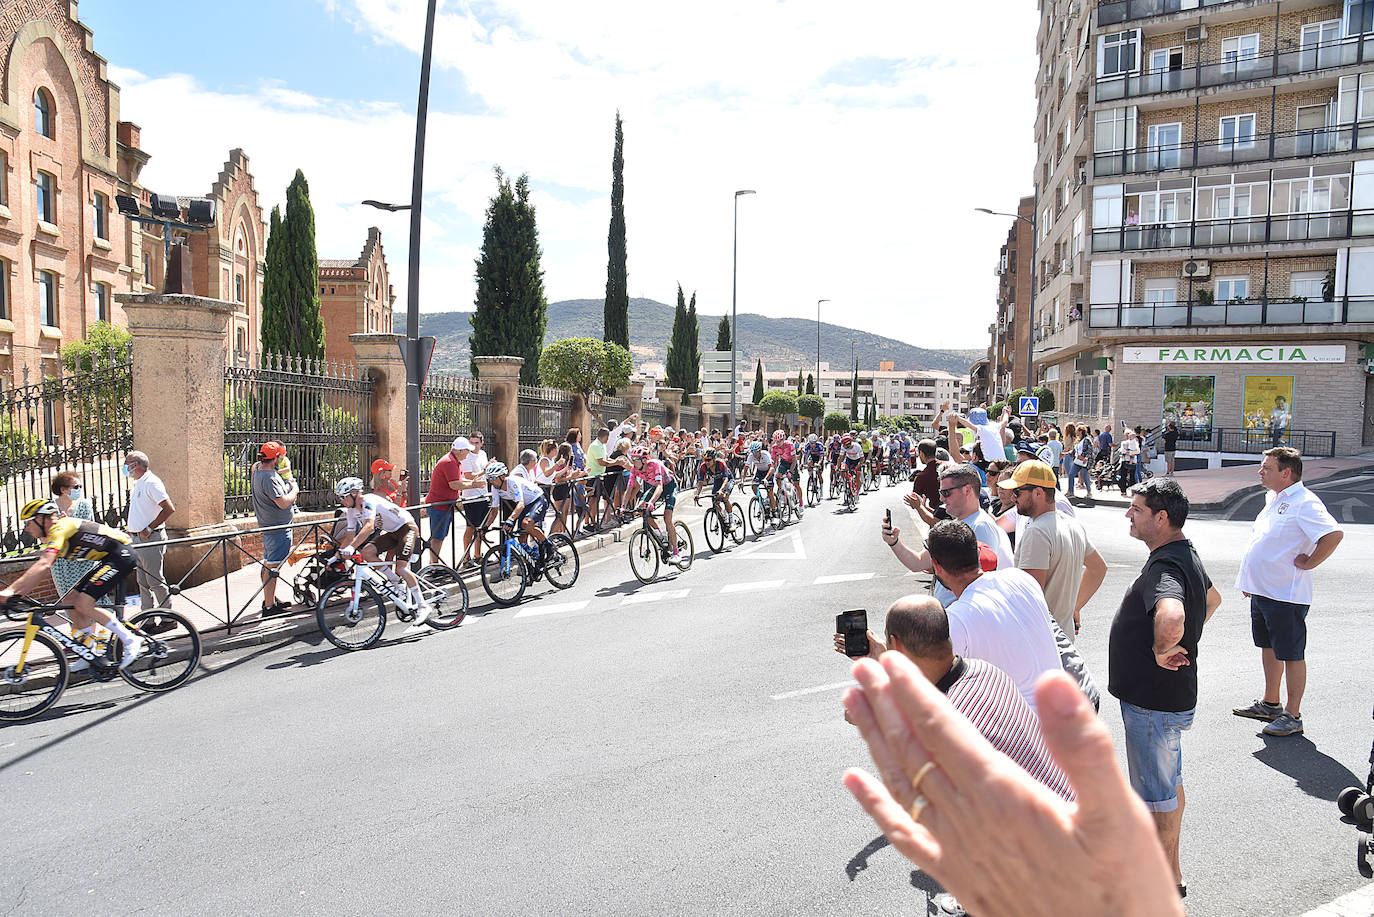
(495,470)
(347,486)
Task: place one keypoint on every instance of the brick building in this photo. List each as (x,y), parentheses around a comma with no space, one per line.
(356,297)
(1207,203)
(1011,331)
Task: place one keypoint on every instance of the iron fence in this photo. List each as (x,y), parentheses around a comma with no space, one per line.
(80,422)
(545,413)
(451,405)
(320,411)
(1254,440)
(653,414)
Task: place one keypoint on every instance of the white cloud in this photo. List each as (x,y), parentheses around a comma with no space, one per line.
(867,182)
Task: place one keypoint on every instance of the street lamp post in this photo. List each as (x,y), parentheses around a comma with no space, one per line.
(414,367)
(818,344)
(1030,318)
(734,320)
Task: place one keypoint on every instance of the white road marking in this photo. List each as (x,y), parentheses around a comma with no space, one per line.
(816,690)
(752,587)
(840,578)
(536,610)
(1360,901)
(755,551)
(601,561)
(640,598)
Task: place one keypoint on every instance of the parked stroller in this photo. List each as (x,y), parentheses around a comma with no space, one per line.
(1357,804)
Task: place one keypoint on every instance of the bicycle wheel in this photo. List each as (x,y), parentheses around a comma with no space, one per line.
(504,577)
(756,515)
(813,489)
(39,685)
(643,556)
(349,619)
(437,582)
(714,530)
(738,526)
(170,655)
(562,566)
(686,548)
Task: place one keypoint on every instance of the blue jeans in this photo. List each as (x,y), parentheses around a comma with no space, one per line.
(1075,473)
(1154,754)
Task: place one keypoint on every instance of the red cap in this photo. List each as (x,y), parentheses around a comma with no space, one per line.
(987,558)
(271,449)
(382,465)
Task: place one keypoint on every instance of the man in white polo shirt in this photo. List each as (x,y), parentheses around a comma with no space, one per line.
(1291,537)
(149,509)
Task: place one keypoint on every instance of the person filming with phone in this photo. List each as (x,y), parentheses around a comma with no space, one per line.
(917,627)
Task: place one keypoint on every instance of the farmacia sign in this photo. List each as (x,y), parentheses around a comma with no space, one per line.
(1236,353)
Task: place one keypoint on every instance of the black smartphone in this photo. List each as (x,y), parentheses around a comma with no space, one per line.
(854,626)
(888,515)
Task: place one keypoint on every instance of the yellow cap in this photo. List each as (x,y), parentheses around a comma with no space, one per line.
(1031,472)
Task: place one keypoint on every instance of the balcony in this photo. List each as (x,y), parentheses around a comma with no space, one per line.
(1216,151)
(1110,12)
(1251,311)
(1267,229)
(1204,74)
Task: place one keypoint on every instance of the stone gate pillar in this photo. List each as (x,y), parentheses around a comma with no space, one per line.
(502,375)
(671,399)
(379,356)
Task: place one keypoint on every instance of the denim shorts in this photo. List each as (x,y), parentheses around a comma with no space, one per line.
(440,521)
(1154,754)
(1279,626)
(275,546)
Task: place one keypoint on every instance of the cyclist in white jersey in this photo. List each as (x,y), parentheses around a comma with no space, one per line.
(378,526)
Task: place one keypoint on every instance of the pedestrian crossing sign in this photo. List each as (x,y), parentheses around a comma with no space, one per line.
(1030,406)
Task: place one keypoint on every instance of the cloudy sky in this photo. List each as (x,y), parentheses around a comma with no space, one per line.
(869,129)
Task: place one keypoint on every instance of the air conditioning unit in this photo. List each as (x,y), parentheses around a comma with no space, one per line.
(1065,266)
(1082,176)
(1195,33)
(1196,269)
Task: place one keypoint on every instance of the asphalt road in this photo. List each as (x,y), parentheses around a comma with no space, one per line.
(1350,500)
(623,749)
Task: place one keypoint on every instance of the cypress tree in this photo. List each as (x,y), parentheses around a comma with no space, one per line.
(296,327)
(693,380)
(801,386)
(679,349)
(723,333)
(273,332)
(810,384)
(616,327)
(511,312)
(758,382)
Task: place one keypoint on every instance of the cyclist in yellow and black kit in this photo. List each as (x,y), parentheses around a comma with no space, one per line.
(66,538)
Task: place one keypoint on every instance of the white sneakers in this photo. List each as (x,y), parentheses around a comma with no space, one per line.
(132,650)
(422,613)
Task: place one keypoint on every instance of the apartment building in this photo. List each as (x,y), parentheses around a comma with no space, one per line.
(1213,262)
(1010,332)
(916,392)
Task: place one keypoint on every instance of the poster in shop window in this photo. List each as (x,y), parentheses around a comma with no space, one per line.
(1268,406)
(1188,402)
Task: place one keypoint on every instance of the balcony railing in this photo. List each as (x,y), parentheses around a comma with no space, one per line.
(1210,233)
(1114,11)
(1256,311)
(1254,441)
(1218,151)
(1323,56)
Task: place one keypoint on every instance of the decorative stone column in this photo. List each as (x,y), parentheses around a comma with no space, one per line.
(502,376)
(178,416)
(671,399)
(634,400)
(379,356)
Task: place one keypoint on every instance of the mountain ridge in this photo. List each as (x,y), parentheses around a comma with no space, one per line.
(779,342)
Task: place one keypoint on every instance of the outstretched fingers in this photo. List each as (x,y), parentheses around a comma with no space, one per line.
(912,840)
(942,733)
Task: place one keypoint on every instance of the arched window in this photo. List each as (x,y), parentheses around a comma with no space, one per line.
(42,112)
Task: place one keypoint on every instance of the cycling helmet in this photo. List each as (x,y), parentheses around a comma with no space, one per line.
(778,436)
(756,446)
(811,438)
(37,508)
(347,486)
(847,441)
(709,454)
(495,470)
(639,453)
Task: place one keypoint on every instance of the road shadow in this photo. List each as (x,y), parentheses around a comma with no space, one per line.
(859,861)
(1317,774)
(626,588)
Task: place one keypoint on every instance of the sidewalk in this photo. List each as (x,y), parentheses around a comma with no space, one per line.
(1214,489)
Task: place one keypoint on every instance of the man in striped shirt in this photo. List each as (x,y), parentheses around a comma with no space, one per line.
(918,628)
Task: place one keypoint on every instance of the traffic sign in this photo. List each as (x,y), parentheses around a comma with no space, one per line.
(1030,406)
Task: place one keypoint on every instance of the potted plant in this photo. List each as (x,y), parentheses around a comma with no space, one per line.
(1205,297)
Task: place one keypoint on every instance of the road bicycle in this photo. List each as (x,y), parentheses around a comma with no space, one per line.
(509,567)
(33,659)
(788,507)
(352,611)
(761,511)
(813,485)
(717,526)
(649,547)
(835,480)
(849,487)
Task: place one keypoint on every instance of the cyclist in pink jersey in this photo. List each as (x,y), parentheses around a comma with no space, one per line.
(785,461)
(653,473)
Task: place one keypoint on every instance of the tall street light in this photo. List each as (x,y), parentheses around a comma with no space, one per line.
(818,344)
(734,320)
(1030,318)
(416,362)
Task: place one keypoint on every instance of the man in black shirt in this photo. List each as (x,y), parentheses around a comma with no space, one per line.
(1170,437)
(1152,654)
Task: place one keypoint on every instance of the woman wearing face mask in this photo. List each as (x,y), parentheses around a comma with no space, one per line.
(66,490)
